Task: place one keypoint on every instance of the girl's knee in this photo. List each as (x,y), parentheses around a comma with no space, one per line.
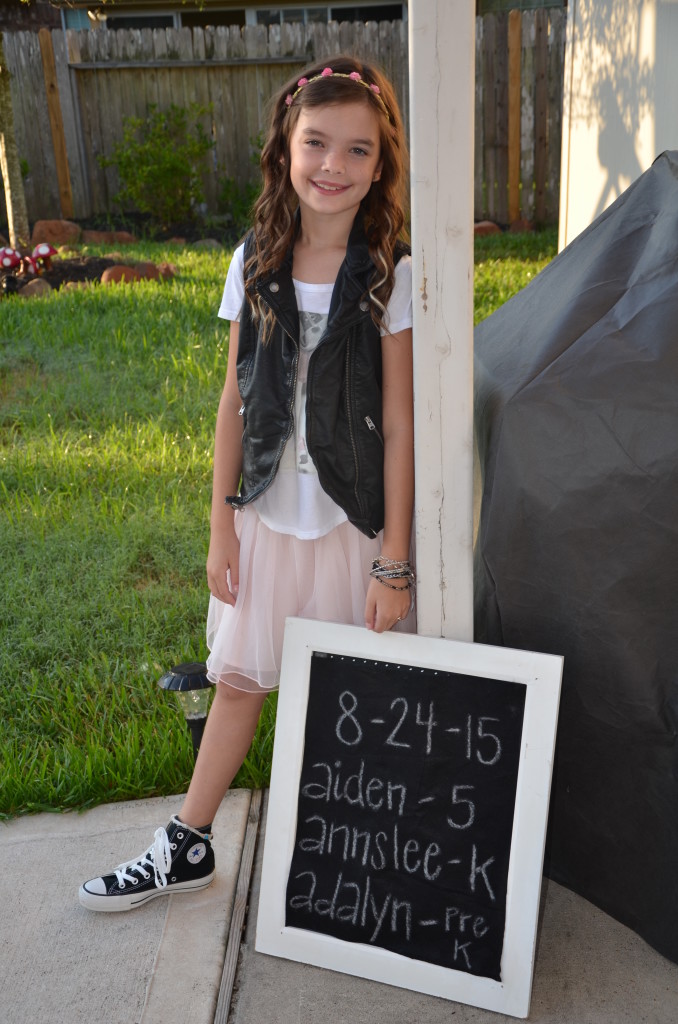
(227,694)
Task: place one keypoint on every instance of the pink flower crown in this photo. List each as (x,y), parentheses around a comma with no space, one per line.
(354,76)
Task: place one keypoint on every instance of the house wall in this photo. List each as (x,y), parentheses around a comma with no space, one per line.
(16,16)
(620,107)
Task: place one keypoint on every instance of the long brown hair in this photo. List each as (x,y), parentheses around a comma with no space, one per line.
(384,205)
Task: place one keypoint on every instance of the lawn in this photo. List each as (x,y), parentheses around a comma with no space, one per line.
(108,399)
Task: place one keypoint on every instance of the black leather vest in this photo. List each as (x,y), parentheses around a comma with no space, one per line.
(343,391)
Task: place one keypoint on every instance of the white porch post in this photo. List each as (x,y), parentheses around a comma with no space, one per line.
(442,50)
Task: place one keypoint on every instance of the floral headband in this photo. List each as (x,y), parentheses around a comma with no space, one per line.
(354,76)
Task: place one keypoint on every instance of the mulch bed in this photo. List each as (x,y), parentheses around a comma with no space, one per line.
(78,269)
(81,268)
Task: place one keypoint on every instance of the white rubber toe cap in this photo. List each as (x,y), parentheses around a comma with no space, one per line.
(95,886)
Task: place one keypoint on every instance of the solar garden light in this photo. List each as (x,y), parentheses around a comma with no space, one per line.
(192,687)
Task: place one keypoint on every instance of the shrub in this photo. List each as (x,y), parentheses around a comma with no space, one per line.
(159,163)
(236,201)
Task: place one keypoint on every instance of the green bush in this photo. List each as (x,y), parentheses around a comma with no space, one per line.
(236,201)
(159,163)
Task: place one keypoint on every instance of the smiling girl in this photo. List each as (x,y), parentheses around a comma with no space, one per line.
(313,460)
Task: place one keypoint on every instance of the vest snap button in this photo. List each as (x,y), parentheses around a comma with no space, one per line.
(364,306)
(274,286)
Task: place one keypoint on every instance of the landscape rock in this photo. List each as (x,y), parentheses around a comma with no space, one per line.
(81,268)
(177,241)
(34,289)
(120,273)
(148,270)
(521,225)
(57,232)
(486,227)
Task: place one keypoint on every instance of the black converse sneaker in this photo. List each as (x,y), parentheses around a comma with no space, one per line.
(180,859)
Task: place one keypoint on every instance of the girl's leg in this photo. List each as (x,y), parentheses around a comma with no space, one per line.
(229,730)
(181,858)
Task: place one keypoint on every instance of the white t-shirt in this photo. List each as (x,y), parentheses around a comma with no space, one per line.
(295,503)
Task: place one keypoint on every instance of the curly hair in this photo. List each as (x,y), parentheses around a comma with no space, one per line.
(275,223)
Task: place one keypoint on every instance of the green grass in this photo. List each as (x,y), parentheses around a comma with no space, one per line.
(506,263)
(108,399)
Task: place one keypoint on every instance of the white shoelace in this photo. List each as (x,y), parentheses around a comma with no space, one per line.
(158,856)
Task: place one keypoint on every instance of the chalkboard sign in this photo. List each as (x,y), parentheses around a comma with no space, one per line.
(404,772)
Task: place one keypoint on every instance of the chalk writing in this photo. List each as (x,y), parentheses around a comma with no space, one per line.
(405,810)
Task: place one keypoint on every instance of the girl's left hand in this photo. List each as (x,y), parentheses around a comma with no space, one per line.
(384,606)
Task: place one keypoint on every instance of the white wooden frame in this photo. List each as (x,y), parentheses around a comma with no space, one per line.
(541,675)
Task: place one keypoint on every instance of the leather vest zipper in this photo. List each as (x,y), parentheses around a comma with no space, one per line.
(349,419)
(374,428)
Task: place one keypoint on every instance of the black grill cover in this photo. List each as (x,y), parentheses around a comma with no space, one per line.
(576,412)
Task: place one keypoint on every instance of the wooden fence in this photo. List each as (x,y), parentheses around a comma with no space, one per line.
(72,91)
(518,115)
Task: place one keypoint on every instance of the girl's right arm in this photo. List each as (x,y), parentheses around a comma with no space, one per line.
(224,550)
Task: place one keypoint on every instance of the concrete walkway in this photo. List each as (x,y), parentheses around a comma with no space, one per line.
(62,964)
(164,964)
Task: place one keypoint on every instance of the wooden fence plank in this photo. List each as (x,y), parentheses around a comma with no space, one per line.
(514,48)
(325,43)
(385,50)
(24,70)
(72,39)
(541,115)
(402,63)
(489,115)
(239,130)
(40,120)
(184,78)
(110,113)
(56,123)
(70,129)
(216,101)
(556,63)
(478,177)
(202,98)
(527,80)
(501,113)
(221,97)
(11,48)
(151,77)
(32,141)
(90,105)
(162,75)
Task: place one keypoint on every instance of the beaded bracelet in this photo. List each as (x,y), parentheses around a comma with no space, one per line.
(384,569)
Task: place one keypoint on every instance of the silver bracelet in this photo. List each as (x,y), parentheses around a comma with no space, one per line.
(384,569)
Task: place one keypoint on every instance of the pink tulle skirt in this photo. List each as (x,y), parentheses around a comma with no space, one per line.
(280,576)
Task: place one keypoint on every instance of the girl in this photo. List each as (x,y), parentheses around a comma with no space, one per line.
(314,437)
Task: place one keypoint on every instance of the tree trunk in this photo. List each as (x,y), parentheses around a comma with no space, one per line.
(10,167)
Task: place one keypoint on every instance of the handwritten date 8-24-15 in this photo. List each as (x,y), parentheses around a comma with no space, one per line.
(407,725)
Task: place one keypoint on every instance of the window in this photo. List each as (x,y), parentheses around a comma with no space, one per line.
(496,6)
(369,12)
(77,20)
(334,12)
(115,21)
(203,18)
(276,15)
